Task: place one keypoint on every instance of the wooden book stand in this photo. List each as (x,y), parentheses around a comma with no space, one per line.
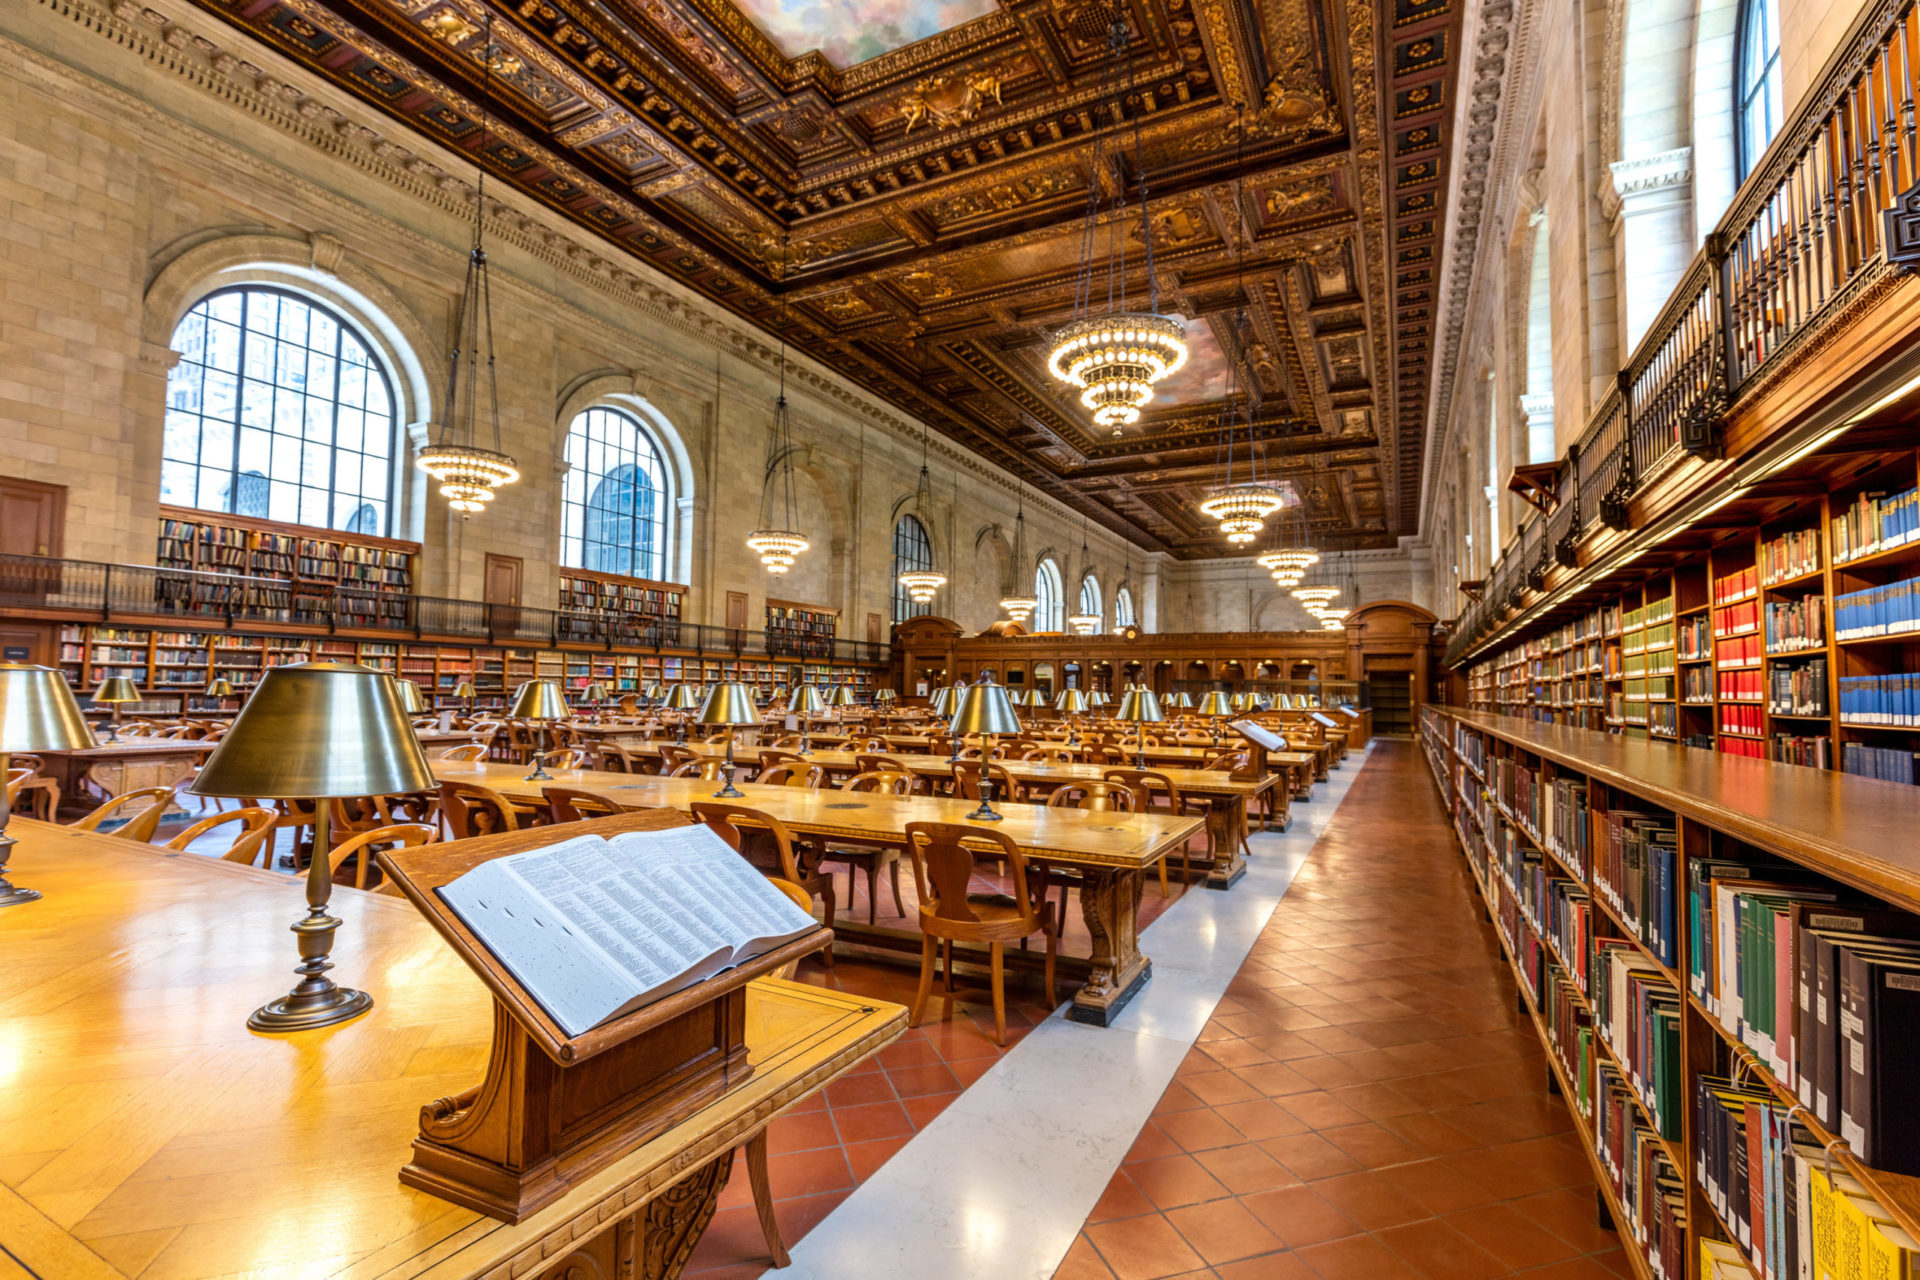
(553,1109)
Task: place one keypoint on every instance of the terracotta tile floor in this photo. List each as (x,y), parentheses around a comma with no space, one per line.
(1366,1102)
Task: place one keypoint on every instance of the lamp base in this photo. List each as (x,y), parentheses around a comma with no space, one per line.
(728,792)
(539,774)
(304,1011)
(10,895)
(985,814)
(14,896)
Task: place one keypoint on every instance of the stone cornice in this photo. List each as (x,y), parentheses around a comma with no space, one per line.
(1645,176)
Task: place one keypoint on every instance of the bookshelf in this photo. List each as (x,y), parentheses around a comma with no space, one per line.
(800,630)
(302,577)
(1656,905)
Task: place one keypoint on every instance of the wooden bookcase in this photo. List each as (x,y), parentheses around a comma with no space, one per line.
(587,591)
(800,630)
(317,575)
(1555,920)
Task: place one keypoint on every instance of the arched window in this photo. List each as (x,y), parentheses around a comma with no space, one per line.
(278,409)
(1123,608)
(1758,102)
(1536,406)
(912,552)
(1492,490)
(1048,615)
(1090,596)
(614,499)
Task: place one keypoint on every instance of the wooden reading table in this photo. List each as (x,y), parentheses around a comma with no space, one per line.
(128,765)
(1111,851)
(144,1131)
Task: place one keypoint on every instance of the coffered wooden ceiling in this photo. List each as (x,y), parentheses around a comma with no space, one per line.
(914,219)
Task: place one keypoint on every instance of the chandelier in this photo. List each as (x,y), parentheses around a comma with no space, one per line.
(1242,509)
(467,473)
(778,547)
(1314,598)
(1018,607)
(1083,623)
(1116,355)
(921,584)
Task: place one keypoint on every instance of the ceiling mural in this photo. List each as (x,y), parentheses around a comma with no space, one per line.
(851,31)
(902,186)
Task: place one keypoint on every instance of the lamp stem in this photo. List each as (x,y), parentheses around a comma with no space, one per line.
(729,791)
(113,725)
(315,1000)
(539,773)
(9,895)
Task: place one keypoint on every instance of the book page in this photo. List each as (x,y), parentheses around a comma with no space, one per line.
(738,899)
(1349,713)
(1260,734)
(1321,720)
(637,928)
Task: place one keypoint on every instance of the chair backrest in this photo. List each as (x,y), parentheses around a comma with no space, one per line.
(614,758)
(789,740)
(801,899)
(405,834)
(774,757)
(1106,796)
(943,866)
(895,781)
(873,762)
(793,775)
(1147,781)
(708,769)
(256,827)
(1050,755)
(473,810)
(470,752)
(673,756)
(867,744)
(1226,762)
(16,778)
(141,825)
(564,758)
(574,804)
(1100,753)
(966,780)
(739,825)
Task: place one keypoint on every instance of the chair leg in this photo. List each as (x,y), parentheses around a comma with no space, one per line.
(826,901)
(763,1197)
(1053,950)
(1164,891)
(928,948)
(894,872)
(999,994)
(873,892)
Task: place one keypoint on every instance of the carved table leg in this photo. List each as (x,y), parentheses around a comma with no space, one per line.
(665,1232)
(1110,904)
(1226,817)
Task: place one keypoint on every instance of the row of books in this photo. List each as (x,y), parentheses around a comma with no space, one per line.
(1798,689)
(1695,637)
(1815,751)
(1637,1012)
(1747,718)
(1889,764)
(1696,685)
(1796,624)
(1568,833)
(1888,699)
(1652,689)
(1650,1190)
(1663,718)
(1876,522)
(1633,872)
(1736,652)
(1734,746)
(1736,619)
(1741,584)
(1891,609)
(1740,686)
(1789,555)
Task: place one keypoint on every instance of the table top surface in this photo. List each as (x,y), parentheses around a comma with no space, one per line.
(1175,753)
(1070,837)
(145,1131)
(133,747)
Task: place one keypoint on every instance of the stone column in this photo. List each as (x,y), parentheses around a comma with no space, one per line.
(1537,409)
(1649,202)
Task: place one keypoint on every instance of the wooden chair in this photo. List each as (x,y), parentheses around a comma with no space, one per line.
(256,830)
(774,757)
(615,758)
(1228,762)
(1050,755)
(24,779)
(576,804)
(793,775)
(764,841)
(563,758)
(789,742)
(757,1144)
(521,742)
(943,864)
(473,810)
(1108,797)
(672,756)
(361,847)
(1150,782)
(473,751)
(711,770)
(872,762)
(966,781)
(872,857)
(141,825)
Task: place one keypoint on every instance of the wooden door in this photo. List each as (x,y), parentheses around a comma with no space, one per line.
(33,517)
(502,587)
(27,642)
(874,625)
(736,611)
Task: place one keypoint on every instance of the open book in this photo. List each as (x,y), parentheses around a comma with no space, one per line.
(1321,720)
(597,927)
(1348,712)
(1253,732)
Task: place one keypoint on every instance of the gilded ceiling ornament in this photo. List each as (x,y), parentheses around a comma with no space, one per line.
(950,101)
(927,286)
(1181,227)
(1295,199)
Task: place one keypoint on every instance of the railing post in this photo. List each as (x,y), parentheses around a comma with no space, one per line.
(1699,426)
(106,595)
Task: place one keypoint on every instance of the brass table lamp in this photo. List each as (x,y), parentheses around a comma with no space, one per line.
(804,701)
(463,692)
(37,713)
(1216,705)
(595,694)
(1031,698)
(1140,707)
(985,709)
(542,702)
(116,691)
(317,731)
(1183,700)
(729,705)
(840,699)
(411,700)
(884,695)
(1069,704)
(682,698)
(222,689)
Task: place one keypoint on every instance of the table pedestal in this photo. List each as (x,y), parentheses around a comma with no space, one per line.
(1110,904)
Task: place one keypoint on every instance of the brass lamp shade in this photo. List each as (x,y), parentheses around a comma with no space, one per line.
(985,708)
(464,691)
(729,704)
(653,693)
(779,694)
(38,712)
(884,695)
(805,698)
(221,688)
(313,731)
(117,689)
(539,700)
(842,696)
(1181,699)
(1031,698)
(594,692)
(1098,699)
(944,702)
(683,697)
(1141,706)
(1070,700)
(1216,704)
(316,730)
(1240,701)
(410,700)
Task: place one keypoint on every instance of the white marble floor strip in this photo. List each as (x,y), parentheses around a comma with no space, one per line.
(1001,1181)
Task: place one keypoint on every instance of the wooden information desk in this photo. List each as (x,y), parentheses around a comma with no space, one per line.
(1111,851)
(144,1131)
(128,765)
